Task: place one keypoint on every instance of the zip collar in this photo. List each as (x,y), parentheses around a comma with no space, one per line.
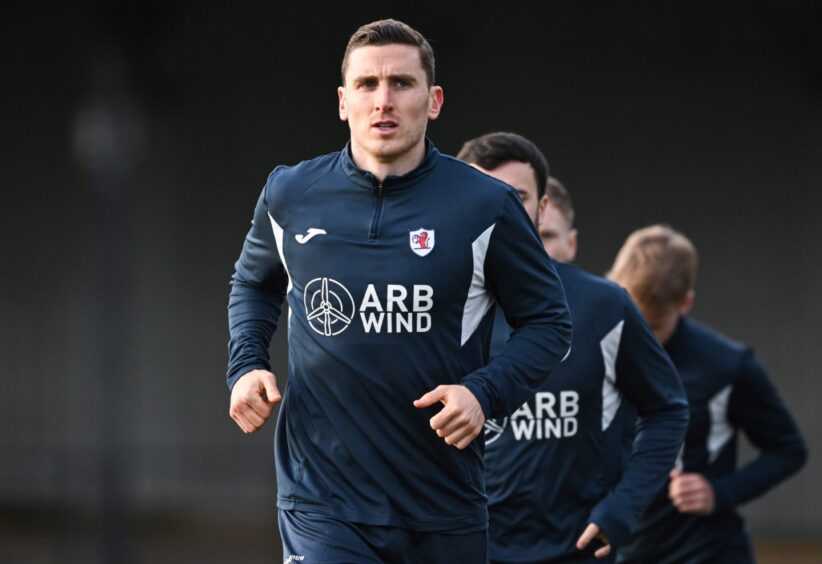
(365,179)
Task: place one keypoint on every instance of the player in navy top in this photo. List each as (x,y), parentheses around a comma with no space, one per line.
(556,222)
(391,257)
(693,518)
(555,466)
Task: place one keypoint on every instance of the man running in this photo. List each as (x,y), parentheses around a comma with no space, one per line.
(693,517)
(557,490)
(391,257)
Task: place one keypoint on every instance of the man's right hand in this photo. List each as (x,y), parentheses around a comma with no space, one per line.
(252,399)
(691,493)
(591,532)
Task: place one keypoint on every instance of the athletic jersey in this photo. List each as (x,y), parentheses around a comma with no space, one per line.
(727,390)
(556,464)
(391,289)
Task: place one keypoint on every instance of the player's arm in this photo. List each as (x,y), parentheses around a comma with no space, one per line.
(521,276)
(756,408)
(647,379)
(519,273)
(258,288)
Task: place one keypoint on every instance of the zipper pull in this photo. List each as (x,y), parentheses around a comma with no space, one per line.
(379,190)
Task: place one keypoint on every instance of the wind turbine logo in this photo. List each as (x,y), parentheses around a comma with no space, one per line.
(328,305)
(494,429)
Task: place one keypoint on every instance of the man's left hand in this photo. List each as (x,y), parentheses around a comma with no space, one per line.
(691,493)
(461,420)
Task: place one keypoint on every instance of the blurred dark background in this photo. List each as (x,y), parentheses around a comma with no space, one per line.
(135,137)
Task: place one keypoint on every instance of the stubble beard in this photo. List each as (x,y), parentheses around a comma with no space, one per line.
(395,149)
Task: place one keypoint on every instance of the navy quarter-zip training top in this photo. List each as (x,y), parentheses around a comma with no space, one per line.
(391,289)
(558,463)
(728,391)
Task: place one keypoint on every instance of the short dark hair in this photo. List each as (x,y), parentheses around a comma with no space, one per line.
(390,32)
(560,199)
(495,149)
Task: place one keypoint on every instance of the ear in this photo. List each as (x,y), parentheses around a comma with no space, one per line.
(435,102)
(572,245)
(543,203)
(343,110)
(688,303)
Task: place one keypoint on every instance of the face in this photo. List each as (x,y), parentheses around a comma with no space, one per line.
(558,237)
(387,104)
(521,176)
(663,322)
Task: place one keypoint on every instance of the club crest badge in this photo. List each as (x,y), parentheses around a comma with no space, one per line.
(421,241)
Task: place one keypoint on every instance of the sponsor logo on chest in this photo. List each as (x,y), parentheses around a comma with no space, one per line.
(393,308)
(547,416)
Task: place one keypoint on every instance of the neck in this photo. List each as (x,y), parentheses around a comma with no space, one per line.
(666,330)
(382,168)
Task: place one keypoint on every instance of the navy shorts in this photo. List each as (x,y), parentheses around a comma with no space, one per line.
(313,538)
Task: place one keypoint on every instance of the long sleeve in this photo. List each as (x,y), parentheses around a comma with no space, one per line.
(258,288)
(523,281)
(647,379)
(756,408)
